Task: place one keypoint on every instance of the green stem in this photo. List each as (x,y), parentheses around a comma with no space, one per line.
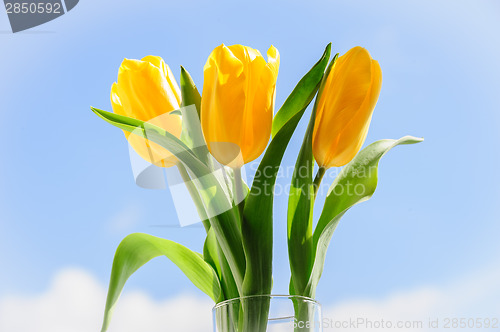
(194,195)
(239,193)
(228,283)
(317,179)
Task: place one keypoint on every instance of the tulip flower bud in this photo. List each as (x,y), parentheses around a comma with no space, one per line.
(345,107)
(146,90)
(237,104)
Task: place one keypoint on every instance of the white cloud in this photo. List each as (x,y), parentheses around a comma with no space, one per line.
(475,296)
(74,303)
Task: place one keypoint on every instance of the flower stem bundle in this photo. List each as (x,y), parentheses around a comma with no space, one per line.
(210,136)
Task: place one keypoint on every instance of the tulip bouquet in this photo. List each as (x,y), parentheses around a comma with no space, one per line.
(209,137)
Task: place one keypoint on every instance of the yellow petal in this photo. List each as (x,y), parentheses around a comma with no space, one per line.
(357,129)
(237,102)
(345,108)
(156,61)
(223,95)
(273,60)
(115,100)
(146,90)
(165,69)
(228,65)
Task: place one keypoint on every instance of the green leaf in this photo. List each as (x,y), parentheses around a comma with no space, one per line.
(213,255)
(137,249)
(210,252)
(356,183)
(195,196)
(302,94)
(300,206)
(153,133)
(192,134)
(189,91)
(222,215)
(299,216)
(258,212)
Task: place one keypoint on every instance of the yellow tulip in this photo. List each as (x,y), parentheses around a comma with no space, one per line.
(146,90)
(237,103)
(345,107)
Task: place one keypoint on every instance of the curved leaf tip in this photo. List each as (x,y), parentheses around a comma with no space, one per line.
(362,171)
(137,249)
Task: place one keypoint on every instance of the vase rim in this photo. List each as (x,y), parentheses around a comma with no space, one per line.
(304,298)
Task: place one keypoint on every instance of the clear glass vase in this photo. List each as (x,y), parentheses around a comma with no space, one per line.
(268,313)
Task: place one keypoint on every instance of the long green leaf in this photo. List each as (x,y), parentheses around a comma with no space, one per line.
(356,183)
(213,255)
(210,251)
(302,93)
(299,216)
(192,135)
(137,249)
(217,205)
(190,108)
(258,212)
(300,207)
(189,91)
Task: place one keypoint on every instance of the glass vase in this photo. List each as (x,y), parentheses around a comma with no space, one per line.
(268,313)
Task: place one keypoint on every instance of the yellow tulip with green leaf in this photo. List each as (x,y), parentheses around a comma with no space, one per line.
(146,90)
(234,117)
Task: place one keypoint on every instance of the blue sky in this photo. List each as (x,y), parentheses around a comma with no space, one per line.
(67,195)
